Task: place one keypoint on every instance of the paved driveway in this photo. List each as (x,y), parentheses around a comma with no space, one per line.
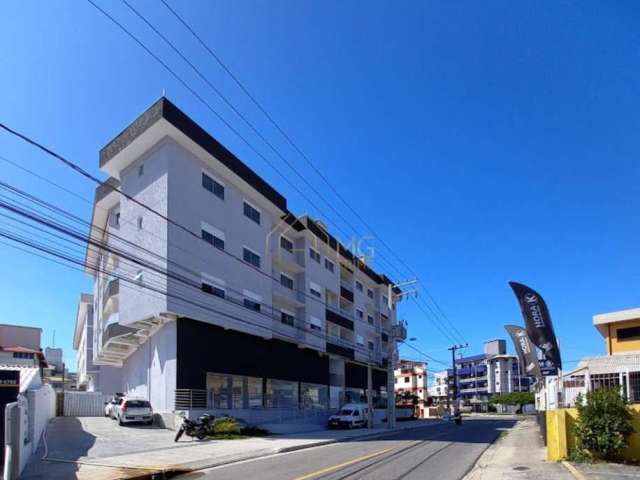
(73,438)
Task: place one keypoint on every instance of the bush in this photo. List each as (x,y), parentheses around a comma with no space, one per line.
(226,426)
(514,398)
(604,424)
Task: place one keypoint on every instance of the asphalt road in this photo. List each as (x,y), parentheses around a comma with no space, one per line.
(441,451)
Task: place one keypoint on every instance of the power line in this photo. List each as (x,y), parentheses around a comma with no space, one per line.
(299,150)
(74,234)
(217,91)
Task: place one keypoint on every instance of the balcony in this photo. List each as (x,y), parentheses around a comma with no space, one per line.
(110,291)
(345,293)
(333,316)
(289,261)
(287,296)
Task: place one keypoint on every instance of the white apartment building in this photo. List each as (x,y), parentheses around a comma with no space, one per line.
(411,378)
(439,389)
(226,300)
(91,377)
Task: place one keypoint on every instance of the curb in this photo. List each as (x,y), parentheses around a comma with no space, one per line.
(202,465)
(574,471)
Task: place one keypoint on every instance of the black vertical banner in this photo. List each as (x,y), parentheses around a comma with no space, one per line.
(538,323)
(525,350)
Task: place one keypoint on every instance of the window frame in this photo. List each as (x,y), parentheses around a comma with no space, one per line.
(250,250)
(215,181)
(247,203)
(287,239)
(288,277)
(316,252)
(329,262)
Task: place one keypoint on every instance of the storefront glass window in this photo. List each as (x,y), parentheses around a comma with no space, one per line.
(314,396)
(282,394)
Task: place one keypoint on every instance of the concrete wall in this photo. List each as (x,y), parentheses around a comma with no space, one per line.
(561,439)
(192,204)
(150,372)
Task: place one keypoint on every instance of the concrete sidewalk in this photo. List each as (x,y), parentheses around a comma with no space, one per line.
(519,454)
(180,457)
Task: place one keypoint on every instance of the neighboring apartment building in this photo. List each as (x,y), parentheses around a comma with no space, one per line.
(54,358)
(411,378)
(91,377)
(20,346)
(620,368)
(439,389)
(196,319)
(481,376)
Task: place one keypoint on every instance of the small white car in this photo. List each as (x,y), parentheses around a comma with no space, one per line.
(110,406)
(350,415)
(133,410)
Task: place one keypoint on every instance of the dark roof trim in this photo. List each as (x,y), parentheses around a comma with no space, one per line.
(163,108)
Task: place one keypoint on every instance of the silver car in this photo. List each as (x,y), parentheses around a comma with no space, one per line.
(133,410)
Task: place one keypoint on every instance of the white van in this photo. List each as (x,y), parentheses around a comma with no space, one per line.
(350,415)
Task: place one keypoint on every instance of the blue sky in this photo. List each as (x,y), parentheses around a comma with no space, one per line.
(484,142)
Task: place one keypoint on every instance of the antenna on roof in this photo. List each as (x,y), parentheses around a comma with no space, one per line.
(164,92)
(54,338)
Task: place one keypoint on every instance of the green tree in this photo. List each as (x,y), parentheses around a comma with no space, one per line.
(604,424)
(513,398)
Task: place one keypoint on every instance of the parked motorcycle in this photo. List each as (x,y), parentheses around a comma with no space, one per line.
(199,428)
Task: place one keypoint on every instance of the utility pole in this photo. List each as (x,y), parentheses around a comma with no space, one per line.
(454,386)
(398,333)
(369,396)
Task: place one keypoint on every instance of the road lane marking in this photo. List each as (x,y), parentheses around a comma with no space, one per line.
(342,465)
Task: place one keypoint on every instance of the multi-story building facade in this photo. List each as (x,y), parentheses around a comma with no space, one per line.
(439,389)
(91,377)
(20,346)
(220,297)
(411,378)
(481,376)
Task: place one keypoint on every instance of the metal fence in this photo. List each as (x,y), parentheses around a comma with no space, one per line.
(83,404)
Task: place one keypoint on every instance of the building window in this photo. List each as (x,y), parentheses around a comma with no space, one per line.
(315,289)
(116,219)
(371,346)
(251,257)
(286,244)
(212,290)
(287,318)
(359,286)
(281,394)
(213,186)
(286,281)
(359,339)
(314,396)
(315,323)
(251,304)
(139,223)
(213,236)
(359,314)
(251,212)
(370,319)
(631,333)
(233,391)
(23,355)
(406,379)
(328,264)
(141,169)
(385,300)
(138,278)
(369,293)
(314,255)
